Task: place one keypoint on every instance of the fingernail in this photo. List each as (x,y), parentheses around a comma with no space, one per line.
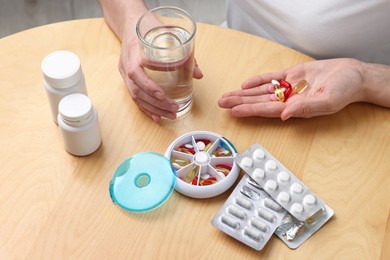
(155,118)
(174,107)
(284,118)
(158,95)
(173,116)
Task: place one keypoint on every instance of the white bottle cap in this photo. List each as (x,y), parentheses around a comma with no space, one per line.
(74,109)
(61,69)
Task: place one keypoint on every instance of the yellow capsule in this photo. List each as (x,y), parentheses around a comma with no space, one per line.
(300,86)
(208,146)
(316,216)
(191,174)
(180,161)
(279,93)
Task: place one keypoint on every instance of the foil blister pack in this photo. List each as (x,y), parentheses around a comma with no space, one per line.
(279,182)
(271,186)
(294,232)
(249,215)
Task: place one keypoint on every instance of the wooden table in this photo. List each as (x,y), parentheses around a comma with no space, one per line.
(54,205)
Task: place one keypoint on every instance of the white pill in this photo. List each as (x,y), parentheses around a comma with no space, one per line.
(283,177)
(275,82)
(259,224)
(296,188)
(253,233)
(244,202)
(236,212)
(265,214)
(284,197)
(188,146)
(271,185)
(271,165)
(200,145)
(247,162)
(230,221)
(176,166)
(272,205)
(258,154)
(296,208)
(258,173)
(309,200)
(204,176)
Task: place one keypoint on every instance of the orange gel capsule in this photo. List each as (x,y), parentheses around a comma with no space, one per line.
(300,86)
(208,181)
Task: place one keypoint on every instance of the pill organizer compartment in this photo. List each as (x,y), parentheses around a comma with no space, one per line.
(204,163)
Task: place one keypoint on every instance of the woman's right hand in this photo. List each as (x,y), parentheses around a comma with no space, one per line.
(148,96)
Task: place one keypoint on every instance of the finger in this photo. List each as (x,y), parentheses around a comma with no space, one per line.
(305,107)
(155,111)
(142,99)
(232,101)
(256,91)
(154,117)
(197,72)
(164,104)
(266,109)
(263,79)
(149,86)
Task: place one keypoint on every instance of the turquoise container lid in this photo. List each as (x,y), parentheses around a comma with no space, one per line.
(142,182)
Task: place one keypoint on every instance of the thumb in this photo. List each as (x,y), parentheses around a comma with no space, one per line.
(306,107)
(197,72)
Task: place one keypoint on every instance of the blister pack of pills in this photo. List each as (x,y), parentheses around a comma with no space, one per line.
(294,232)
(283,186)
(249,215)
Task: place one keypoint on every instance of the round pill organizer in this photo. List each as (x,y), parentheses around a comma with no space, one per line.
(146,180)
(204,163)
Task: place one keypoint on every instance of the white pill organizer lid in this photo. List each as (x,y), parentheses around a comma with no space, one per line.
(61,69)
(143,182)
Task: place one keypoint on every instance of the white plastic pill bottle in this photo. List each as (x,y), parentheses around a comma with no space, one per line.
(62,76)
(79,125)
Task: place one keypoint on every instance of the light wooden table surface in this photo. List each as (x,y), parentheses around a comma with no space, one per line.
(57,206)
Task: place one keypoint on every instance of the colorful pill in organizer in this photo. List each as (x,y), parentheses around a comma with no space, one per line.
(179,163)
(221,152)
(186,148)
(280,183)
(249,214)
(203,160)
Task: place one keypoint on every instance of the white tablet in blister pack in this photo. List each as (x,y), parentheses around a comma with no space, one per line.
(283,186)
(249,215)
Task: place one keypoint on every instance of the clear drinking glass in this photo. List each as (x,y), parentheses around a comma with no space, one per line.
(167,37)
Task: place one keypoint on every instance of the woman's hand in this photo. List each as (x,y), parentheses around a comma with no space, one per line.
(122,17)
(333,84)
(149,97)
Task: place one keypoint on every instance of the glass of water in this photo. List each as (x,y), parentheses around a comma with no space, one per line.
(167,38)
